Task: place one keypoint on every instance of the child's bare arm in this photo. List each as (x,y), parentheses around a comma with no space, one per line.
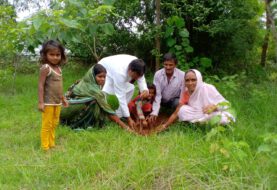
(42,77)
(65,102)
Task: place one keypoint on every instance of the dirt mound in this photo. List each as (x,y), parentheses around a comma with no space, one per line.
(149,128)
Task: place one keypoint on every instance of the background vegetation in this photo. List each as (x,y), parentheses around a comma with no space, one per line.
(232,42)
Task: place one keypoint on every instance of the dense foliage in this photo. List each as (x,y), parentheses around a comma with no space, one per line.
(227,32)
(205,34)
(7,23)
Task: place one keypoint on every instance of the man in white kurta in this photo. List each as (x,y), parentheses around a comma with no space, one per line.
(119,76)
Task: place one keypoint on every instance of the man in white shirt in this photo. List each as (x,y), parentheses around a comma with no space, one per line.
(122,71)
(169,82)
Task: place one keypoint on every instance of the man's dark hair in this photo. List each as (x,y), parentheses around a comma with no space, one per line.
(170,57)
(138,66)
(98,68)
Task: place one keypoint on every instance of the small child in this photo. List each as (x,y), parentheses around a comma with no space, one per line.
(141,108)
(50,90)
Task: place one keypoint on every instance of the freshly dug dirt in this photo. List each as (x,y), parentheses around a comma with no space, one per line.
(150,128)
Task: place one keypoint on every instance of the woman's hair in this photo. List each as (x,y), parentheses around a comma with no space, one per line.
(151,86)
(190,70)
(137,66)
(50,45)
(97,69)
(170,57)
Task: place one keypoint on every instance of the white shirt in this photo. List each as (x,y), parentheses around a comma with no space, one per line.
(117,80)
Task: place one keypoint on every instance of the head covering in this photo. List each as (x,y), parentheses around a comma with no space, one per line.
(88,87)
(199,78)
(204,94)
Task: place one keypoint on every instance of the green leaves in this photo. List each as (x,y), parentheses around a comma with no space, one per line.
(170,42)
(184,33)
(205,62)
(169,31)
(264,148)
(176,36)
(189,49)
(70,23)
(108,2)
(107,28)
(75,23)
(176,21)
(215,121)
(37,23)
(269,144)
(11,33)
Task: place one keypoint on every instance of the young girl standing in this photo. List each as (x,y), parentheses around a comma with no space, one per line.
(50,90)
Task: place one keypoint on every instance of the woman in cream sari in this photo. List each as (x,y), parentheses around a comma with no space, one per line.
(200,102)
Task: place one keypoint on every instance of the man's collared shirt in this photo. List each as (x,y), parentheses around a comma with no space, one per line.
(167,90)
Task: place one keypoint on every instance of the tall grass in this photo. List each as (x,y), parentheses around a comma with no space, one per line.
(111,158)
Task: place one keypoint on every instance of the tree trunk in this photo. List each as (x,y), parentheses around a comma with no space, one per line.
(273,29)
(16,60)
(264,49)
(158,40)
(266,38)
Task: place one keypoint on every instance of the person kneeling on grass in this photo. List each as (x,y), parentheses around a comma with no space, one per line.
(88,105)
(122,72)
(141,107)
(200,102)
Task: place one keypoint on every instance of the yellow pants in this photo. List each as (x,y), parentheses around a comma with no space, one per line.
(50,120)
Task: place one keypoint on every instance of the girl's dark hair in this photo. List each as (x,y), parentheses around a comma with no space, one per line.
(138,66)
(49,45)
(170,57)
(97,69)
(151,86)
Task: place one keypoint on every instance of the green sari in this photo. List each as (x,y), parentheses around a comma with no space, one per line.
(88,105)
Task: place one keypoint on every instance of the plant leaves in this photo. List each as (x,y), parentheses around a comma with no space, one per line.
(37,23)
(107,28)
(70,23)
(184,33)
(189,49)
(205,62)
(171,42)
(169,31)
(264,148)
(180,23)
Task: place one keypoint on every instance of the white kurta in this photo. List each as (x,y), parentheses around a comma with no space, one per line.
(117,81)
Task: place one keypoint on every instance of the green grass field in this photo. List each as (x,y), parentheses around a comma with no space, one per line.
(110,158)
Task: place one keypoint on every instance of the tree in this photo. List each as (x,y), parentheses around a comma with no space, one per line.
(29,4)
(80,25)
(266,38)
(158,39)
(11,36)
(9,31)
(227,32)
(224,31)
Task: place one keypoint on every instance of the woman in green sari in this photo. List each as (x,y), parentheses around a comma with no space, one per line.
(88,105)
